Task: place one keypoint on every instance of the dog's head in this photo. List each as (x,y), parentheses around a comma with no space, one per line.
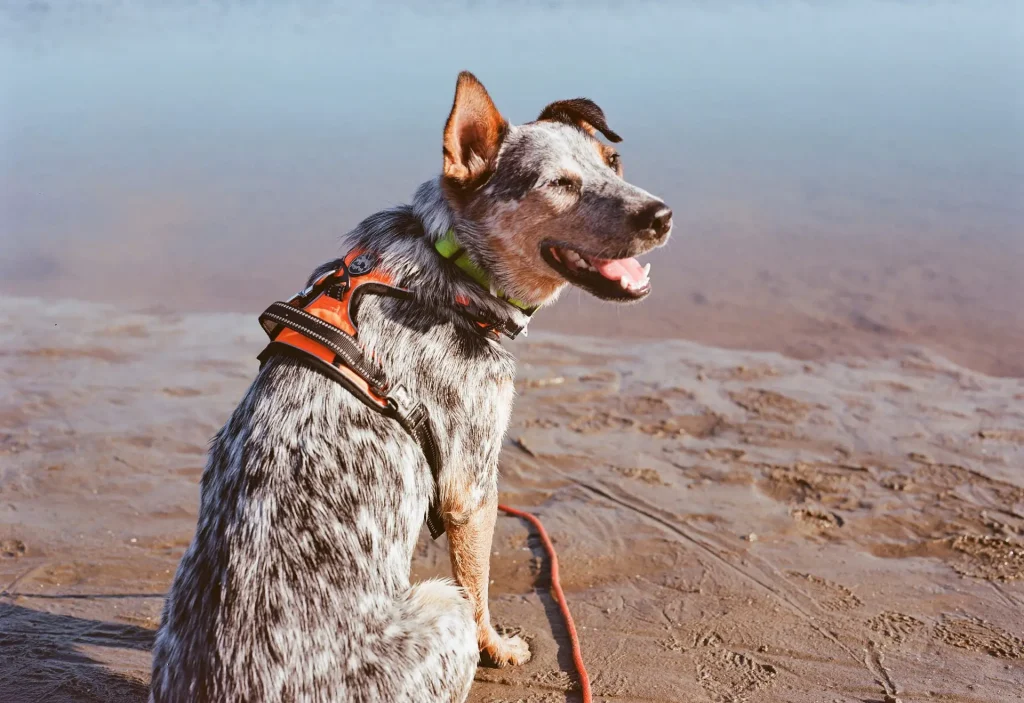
(546,201)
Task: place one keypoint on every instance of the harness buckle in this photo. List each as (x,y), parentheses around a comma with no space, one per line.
(399,399)
(510,329)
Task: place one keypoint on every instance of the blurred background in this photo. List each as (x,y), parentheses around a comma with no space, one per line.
(846,176)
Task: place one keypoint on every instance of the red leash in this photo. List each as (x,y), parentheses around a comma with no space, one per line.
(556,586)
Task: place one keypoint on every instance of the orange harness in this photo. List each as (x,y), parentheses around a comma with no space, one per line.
(329,300)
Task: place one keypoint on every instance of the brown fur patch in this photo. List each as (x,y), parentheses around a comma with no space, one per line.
(582,112)
(469,547)
(523,228)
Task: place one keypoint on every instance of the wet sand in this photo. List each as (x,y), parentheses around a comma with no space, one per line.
(733,526)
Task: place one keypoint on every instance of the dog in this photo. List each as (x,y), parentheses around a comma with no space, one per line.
(296,586)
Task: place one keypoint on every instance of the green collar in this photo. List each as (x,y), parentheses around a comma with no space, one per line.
(448,247)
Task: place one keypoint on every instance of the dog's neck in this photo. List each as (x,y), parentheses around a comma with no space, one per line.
(449,247)
(478,240)
(433,210)
(466,244)
(405,239)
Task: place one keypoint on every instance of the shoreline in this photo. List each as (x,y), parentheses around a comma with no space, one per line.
(793,334)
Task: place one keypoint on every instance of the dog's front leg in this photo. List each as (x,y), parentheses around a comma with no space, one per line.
(469,545)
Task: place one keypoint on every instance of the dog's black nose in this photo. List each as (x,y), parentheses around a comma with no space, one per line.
(662,221)
(657,216)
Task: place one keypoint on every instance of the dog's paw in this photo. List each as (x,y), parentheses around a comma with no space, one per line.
(500,651)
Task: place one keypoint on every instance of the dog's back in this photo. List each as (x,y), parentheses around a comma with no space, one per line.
(296,585)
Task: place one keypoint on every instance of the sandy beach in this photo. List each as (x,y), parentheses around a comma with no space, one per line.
(732,526)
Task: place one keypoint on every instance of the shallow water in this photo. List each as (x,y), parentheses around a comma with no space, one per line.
(844,177)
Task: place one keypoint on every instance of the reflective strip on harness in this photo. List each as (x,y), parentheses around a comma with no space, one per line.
(318,325)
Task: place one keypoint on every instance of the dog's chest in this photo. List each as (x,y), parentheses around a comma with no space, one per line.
(470,405)
(464,380)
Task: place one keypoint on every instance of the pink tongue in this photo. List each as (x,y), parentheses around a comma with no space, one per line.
(619,269)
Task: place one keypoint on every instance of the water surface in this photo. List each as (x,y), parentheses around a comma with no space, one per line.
(845,176)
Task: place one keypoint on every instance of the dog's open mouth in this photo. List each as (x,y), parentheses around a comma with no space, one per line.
(611,279)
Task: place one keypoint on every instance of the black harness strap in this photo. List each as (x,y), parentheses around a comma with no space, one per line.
(489,322)
(417,423)
(337,340)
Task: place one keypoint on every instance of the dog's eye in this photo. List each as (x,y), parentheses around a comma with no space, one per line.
(614,161)
(564,182)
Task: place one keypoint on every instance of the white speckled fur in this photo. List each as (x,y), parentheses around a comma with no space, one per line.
(296,584)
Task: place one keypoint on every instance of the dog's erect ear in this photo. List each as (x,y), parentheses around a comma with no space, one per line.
(581,112)
(472,135)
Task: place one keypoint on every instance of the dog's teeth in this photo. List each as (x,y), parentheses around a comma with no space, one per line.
(647,270)
(624,283)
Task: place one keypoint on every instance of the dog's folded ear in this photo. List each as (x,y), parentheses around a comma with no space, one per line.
(472,135)
(581,112)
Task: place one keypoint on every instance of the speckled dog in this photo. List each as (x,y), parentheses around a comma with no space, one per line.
(296,585)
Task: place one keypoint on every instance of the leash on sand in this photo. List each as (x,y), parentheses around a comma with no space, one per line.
(563,605)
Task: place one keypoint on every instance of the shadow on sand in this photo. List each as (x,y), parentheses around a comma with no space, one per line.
(42,659)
